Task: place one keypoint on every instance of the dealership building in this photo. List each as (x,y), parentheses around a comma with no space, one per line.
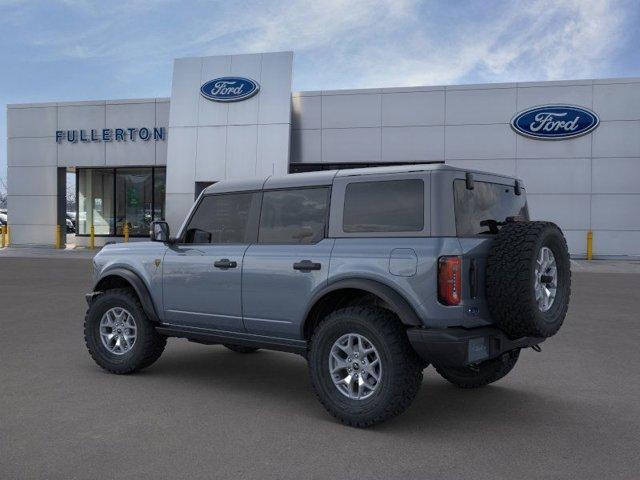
(575,144)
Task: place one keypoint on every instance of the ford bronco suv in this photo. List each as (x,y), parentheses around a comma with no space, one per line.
(371,274)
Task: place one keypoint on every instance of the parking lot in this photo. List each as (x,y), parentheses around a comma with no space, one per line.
(572,411)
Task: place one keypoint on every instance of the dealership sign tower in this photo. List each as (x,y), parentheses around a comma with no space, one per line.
(230,118)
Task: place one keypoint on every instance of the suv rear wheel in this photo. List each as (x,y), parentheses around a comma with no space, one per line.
(118,334)
(480,375)
(362,366)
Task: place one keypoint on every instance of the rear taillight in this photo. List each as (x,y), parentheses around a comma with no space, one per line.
(449,284)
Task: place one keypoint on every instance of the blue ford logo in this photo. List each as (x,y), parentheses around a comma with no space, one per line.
(229,89)
(555,122)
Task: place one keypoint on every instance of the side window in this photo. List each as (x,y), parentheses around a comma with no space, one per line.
(296,216)
(224,218)
(384,206)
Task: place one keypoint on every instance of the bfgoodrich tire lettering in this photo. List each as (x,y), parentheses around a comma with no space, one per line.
(148,346)
(401,369)
(511,279)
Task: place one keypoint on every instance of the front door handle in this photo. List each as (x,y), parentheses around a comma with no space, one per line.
(306,265)
(225,263)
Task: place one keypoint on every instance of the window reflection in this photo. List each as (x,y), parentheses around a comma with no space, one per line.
(111,198)
(134,197)
(95,201)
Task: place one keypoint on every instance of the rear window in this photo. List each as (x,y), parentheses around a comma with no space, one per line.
(384,206)
(487,201)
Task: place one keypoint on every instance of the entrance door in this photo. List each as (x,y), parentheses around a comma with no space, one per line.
(289,262)
(202,273)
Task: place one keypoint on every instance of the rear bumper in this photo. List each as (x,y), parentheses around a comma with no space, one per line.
(456,347)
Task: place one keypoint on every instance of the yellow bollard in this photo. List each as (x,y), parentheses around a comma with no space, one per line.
(3,233)
(92,237)
(126,232)
(58,236)
(6,227)
(589,245)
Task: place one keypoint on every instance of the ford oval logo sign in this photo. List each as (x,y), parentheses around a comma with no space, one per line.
(229,89)
(555,122)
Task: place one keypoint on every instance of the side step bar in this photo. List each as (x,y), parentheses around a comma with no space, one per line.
(212,337)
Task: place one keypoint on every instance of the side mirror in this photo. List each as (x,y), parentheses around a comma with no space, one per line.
(159,231)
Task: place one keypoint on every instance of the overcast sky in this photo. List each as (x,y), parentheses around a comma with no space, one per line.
(83,49)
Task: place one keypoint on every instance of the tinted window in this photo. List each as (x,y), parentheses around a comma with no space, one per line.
(487,201)
(294,216)
(222,219)
(391,206)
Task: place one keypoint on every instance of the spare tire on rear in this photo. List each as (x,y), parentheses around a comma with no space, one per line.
(528,279)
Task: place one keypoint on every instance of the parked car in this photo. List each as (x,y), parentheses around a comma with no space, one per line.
(3,218)
(71,222)
(371,274)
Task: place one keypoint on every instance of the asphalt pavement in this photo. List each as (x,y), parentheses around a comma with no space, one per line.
(571,411)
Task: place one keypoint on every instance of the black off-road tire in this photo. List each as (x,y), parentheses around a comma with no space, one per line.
(510,279)
(240,348)
(483,374)
(401,374)
(148,346)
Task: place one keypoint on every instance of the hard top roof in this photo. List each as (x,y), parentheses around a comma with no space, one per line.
(325,177)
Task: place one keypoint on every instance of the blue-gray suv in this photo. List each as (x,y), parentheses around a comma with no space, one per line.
(371,274)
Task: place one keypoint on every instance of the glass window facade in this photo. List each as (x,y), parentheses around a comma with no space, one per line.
(110,198)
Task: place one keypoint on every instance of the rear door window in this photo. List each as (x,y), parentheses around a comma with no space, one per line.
(295,216)
(487,201)
(384,206)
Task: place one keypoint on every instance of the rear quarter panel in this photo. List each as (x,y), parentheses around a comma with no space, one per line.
(369,258)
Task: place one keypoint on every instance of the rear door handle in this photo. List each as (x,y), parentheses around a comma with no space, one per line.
(225,263)
(306,265)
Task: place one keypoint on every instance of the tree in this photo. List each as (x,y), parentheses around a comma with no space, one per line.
(3,193)
(71,193)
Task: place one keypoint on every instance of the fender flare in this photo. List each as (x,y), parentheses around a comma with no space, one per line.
(399,305)
(138,285)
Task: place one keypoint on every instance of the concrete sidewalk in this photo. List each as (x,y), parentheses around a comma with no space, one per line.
(47,252)
(606,266)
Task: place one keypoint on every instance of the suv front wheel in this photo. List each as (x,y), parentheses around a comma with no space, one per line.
(119,336)
(362,366)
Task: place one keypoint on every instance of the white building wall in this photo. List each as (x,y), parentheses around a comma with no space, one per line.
(213,141)
(33,156)
(590,182)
